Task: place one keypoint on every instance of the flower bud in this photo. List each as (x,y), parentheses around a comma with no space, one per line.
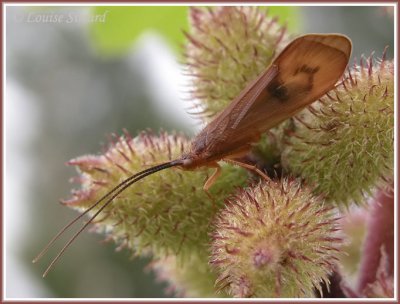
(343,145)
(166,213)
(274,240)
(228,47)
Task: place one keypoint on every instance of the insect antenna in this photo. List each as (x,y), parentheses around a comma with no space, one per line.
(120,187)
(51,242)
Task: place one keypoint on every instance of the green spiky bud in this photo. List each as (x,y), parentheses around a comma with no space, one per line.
(228,47)
(166,213)
(193,279)
(274,240)
(343,145)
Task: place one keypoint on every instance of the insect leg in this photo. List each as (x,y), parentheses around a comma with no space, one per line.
(211,180)
(247,166)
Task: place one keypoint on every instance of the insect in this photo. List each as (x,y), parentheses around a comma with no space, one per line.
(306,69)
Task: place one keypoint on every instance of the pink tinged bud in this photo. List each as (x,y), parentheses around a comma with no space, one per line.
(166,213)
(219,64)
(293,243)
(265,256)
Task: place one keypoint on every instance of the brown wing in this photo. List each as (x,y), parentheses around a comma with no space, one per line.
(303,72)
(219,128)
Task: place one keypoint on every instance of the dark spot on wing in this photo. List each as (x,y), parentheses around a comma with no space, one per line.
(278,90)
(306,69)
(309,71)
(281,92)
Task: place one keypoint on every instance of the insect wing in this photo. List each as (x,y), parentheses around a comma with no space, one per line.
(219,129)
(306,69)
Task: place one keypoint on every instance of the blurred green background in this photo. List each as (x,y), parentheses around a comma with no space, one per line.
(93,72)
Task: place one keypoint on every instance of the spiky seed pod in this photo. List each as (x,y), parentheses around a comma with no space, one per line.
(194,279)
(166,213)
(344,144)
(274,240)
(227,48)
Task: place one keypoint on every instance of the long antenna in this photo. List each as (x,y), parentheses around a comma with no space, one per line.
(121,186)
(49,244)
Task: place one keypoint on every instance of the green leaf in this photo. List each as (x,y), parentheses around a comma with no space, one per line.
(124,24)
